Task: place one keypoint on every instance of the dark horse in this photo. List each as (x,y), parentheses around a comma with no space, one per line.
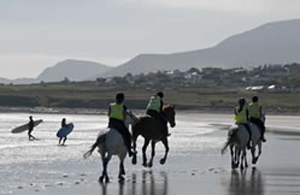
(150,129)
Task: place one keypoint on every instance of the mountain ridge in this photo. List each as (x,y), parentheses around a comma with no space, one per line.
(271,43)
(74,70)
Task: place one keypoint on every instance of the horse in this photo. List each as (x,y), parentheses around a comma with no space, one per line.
(109,144)
(237,140)
(150,129)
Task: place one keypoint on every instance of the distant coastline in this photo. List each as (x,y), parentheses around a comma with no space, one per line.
(91,111)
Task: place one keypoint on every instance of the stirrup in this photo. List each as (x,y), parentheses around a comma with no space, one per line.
(131,153)
(249,147)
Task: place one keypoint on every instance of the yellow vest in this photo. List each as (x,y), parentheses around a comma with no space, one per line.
(254,110)
(240,117)
(154,103)
(116,111)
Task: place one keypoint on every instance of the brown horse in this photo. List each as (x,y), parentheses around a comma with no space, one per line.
(150,129)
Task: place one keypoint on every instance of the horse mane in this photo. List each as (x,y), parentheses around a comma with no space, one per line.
(167,107)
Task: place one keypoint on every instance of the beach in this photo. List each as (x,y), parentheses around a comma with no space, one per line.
(194,166)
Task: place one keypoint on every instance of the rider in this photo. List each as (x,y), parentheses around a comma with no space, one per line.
(241,117)
(30,128)
(255,113)
(116,114)
(154,109)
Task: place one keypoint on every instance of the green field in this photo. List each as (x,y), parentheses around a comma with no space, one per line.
(91,95)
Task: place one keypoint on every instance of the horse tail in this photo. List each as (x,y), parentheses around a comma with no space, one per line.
(230,139)
(99,141)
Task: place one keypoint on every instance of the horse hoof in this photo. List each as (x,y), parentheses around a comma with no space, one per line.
(101,179)
(133,161)
(107,180)
(232,166)
(150,165)
(121,179)
(162,161)
(145,164)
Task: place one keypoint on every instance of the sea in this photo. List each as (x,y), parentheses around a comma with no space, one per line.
(42,163)
(194,165)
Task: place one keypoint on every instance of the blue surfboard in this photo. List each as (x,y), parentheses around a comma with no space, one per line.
(66,130)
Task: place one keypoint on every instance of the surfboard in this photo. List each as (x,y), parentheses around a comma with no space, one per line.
(64,131)
(25,127)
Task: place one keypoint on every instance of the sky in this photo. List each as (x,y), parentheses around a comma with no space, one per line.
(35,34)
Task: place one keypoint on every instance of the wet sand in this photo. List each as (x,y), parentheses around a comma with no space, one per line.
(190,172)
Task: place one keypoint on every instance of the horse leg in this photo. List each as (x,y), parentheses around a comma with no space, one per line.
(259,151)
(232,157)
(253,155)
(150,164)
(246,163)
(105,161)
(121,169)
(237,156)
(134,160)
(144,149)
(166,144)
(244,159)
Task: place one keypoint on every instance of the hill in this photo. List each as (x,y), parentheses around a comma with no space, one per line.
(272,43)
(4,81)
(74,70)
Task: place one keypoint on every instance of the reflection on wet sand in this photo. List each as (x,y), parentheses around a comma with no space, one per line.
(146,184)
(241,184)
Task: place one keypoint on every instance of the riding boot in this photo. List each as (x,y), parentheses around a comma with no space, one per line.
(262,137)
(128,146)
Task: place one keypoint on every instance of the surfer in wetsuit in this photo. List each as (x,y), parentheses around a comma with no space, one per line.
(30,129)
(63,124)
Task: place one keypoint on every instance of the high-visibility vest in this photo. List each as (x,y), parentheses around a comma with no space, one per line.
(254,110)
(241,116)
(116,111)
(154,103)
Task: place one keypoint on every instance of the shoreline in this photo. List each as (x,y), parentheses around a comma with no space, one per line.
(195,165)
(92,111)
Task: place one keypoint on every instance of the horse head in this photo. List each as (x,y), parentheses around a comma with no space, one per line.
(169,113)
(130,118)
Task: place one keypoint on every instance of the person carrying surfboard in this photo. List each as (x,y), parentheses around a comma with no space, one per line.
(64,131)
(116,114)
(63,124)
(30,129)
